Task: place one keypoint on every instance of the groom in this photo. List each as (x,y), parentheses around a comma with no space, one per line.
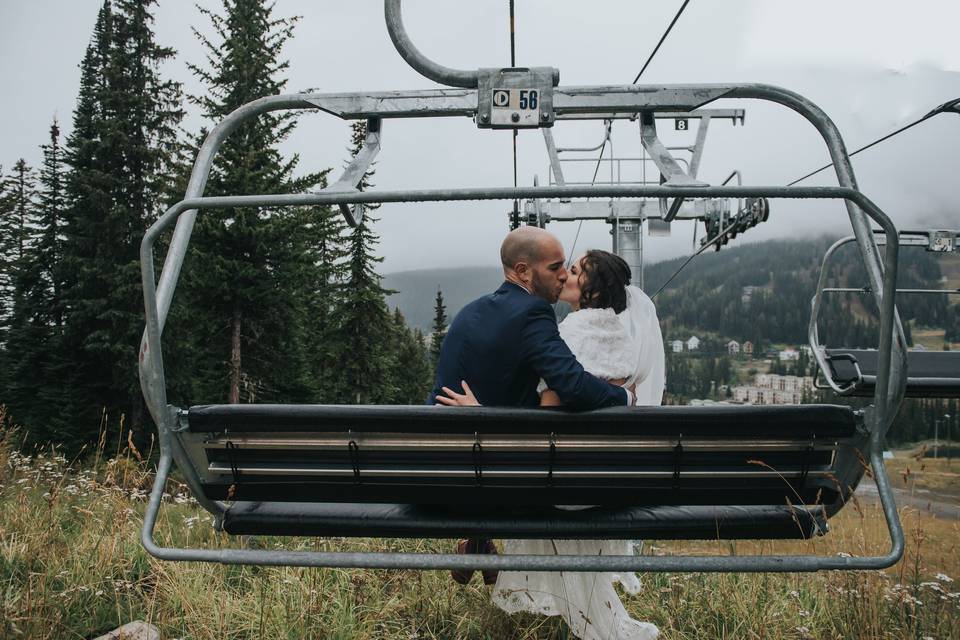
(503,343)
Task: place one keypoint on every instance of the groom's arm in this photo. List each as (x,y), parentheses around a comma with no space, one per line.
(548,355)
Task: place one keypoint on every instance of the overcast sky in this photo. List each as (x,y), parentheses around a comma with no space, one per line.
(875,65)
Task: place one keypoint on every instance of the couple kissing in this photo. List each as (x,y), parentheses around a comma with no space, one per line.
(506,349)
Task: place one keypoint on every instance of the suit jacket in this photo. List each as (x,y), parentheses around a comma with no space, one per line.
(503,343)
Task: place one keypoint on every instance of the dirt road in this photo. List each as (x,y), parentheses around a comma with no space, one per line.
(943,505)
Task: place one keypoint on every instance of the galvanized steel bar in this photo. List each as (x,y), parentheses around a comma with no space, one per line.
(868,290)
(424,561)
(426,67)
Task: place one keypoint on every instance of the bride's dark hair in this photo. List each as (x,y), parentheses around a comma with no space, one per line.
(605,277)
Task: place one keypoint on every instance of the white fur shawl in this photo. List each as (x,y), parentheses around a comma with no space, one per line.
(601,343)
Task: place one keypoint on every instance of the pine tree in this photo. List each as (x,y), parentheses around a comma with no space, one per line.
(35,361)
(439,328)
(323,229)
(412,373)
(17,201)
(17,231)
(245,284)
(366,358)
(121,153)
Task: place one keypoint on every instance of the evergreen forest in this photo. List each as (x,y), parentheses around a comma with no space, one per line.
(274,305)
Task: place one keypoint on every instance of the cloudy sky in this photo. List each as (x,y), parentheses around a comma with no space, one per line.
(873,66)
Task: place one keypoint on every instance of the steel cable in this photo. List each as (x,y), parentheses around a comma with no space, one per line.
(952,105)
(662,38)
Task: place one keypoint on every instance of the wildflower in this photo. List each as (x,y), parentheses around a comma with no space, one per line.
(933,586)
(795,594)
(942,577)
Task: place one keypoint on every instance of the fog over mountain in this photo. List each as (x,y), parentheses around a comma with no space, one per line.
(871,65)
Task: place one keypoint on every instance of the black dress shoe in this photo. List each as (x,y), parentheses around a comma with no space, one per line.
(489,575)
(463,576)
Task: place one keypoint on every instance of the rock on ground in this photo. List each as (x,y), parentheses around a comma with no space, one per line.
(133,631)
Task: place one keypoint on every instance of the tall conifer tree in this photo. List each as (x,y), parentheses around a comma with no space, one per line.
(17,203)
(322,230)
(412,372)
(439,328)
(366,356)
(17,200)
(249,265)
(34,348)
(121,154)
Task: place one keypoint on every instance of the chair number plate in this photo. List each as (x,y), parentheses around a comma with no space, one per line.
(515,107)
(680,124)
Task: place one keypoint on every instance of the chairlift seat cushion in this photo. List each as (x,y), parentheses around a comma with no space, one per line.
(730,421)
(717,455)
(930,374)
(407,520)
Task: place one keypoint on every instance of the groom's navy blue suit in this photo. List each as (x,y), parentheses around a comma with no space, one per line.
(503,343)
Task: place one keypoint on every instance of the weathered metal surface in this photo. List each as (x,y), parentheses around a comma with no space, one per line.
(532,89)
(425,66)
(736,115)
(353,174)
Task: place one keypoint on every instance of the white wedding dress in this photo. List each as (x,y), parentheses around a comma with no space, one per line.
(611,346)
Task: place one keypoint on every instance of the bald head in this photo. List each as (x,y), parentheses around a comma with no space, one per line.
(525,244)
(533,259)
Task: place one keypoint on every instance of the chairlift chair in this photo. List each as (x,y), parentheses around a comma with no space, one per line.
(853,372)
(665,472)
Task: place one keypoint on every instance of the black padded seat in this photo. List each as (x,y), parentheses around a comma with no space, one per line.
(732,421)
(406,520)
(618,457)
(930,374)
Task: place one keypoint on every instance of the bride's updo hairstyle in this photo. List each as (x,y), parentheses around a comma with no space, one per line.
(605,277)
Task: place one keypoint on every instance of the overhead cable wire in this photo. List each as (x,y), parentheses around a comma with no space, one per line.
(593,180)
(687,261)
(635,80)
(662,38)
(950,106)
(513,63)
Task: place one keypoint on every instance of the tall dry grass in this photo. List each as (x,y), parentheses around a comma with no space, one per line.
(71,566)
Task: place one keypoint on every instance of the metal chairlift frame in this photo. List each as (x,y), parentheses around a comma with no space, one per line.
(905,238)
(467,101)
(624,214)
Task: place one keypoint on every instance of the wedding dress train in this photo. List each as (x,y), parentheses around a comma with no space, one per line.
(611,346)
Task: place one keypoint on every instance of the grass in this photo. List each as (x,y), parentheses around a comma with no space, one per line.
(71,566)
(915,469)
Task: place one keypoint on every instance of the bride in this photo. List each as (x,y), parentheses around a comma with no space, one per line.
(614,333)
